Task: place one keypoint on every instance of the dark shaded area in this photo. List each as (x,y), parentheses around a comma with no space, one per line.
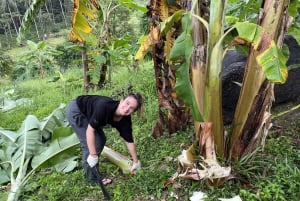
(290,91)
(233,67)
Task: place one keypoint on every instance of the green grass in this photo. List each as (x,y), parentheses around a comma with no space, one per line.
(274,173)
(53,42)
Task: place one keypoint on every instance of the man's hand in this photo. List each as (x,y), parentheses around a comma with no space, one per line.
(135,166)
(92,160)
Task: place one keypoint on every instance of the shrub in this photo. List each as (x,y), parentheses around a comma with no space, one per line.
(6,65)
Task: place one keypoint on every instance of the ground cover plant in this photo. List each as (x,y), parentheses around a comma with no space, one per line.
(271,174)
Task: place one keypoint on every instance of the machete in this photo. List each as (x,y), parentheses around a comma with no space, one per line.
(99,181)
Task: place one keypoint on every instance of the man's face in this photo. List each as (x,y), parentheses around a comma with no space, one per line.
(127,106)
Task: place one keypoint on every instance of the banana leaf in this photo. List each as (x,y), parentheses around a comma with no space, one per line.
(26,151)
(55,119)
(59,153)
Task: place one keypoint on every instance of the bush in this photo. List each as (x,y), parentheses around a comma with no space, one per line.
(6,65)
(70,57)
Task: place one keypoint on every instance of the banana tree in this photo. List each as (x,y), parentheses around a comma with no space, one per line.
(37,60)
(90,29)
(37,144)
(173,113)
(196,56)
(102,48)
(83,13)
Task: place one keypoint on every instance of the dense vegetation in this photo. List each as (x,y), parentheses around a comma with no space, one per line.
(273,174)
(47,71)
(53,16)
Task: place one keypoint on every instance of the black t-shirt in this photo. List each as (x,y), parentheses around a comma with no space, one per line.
(100,110)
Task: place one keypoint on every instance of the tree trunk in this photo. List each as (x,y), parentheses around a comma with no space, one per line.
(7,39)
(52,13)
(102,78)
(12,19)
(103,43)
(257,93)
(19,14)
(36,28)
(85,68)
(63,13)
(41,23)
(173,115)
(198,62)
(10,36)
(49,15)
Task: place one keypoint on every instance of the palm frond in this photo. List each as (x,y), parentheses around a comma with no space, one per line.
(28,17)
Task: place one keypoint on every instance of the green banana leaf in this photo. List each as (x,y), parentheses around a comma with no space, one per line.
(132,4)
(184,89)
(181,52)
(27,142)
(272,60)
(55,119)
(169,23)
(4,176)
(273,63)
(28,17)
(60,151)
(10,136)
(7,104)
(25,151)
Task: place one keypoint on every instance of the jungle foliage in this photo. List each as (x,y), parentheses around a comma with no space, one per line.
(268,175)
(187,43)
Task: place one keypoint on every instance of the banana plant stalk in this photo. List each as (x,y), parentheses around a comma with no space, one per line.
(123,162)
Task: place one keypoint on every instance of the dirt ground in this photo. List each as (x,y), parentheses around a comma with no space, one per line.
(288,123)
